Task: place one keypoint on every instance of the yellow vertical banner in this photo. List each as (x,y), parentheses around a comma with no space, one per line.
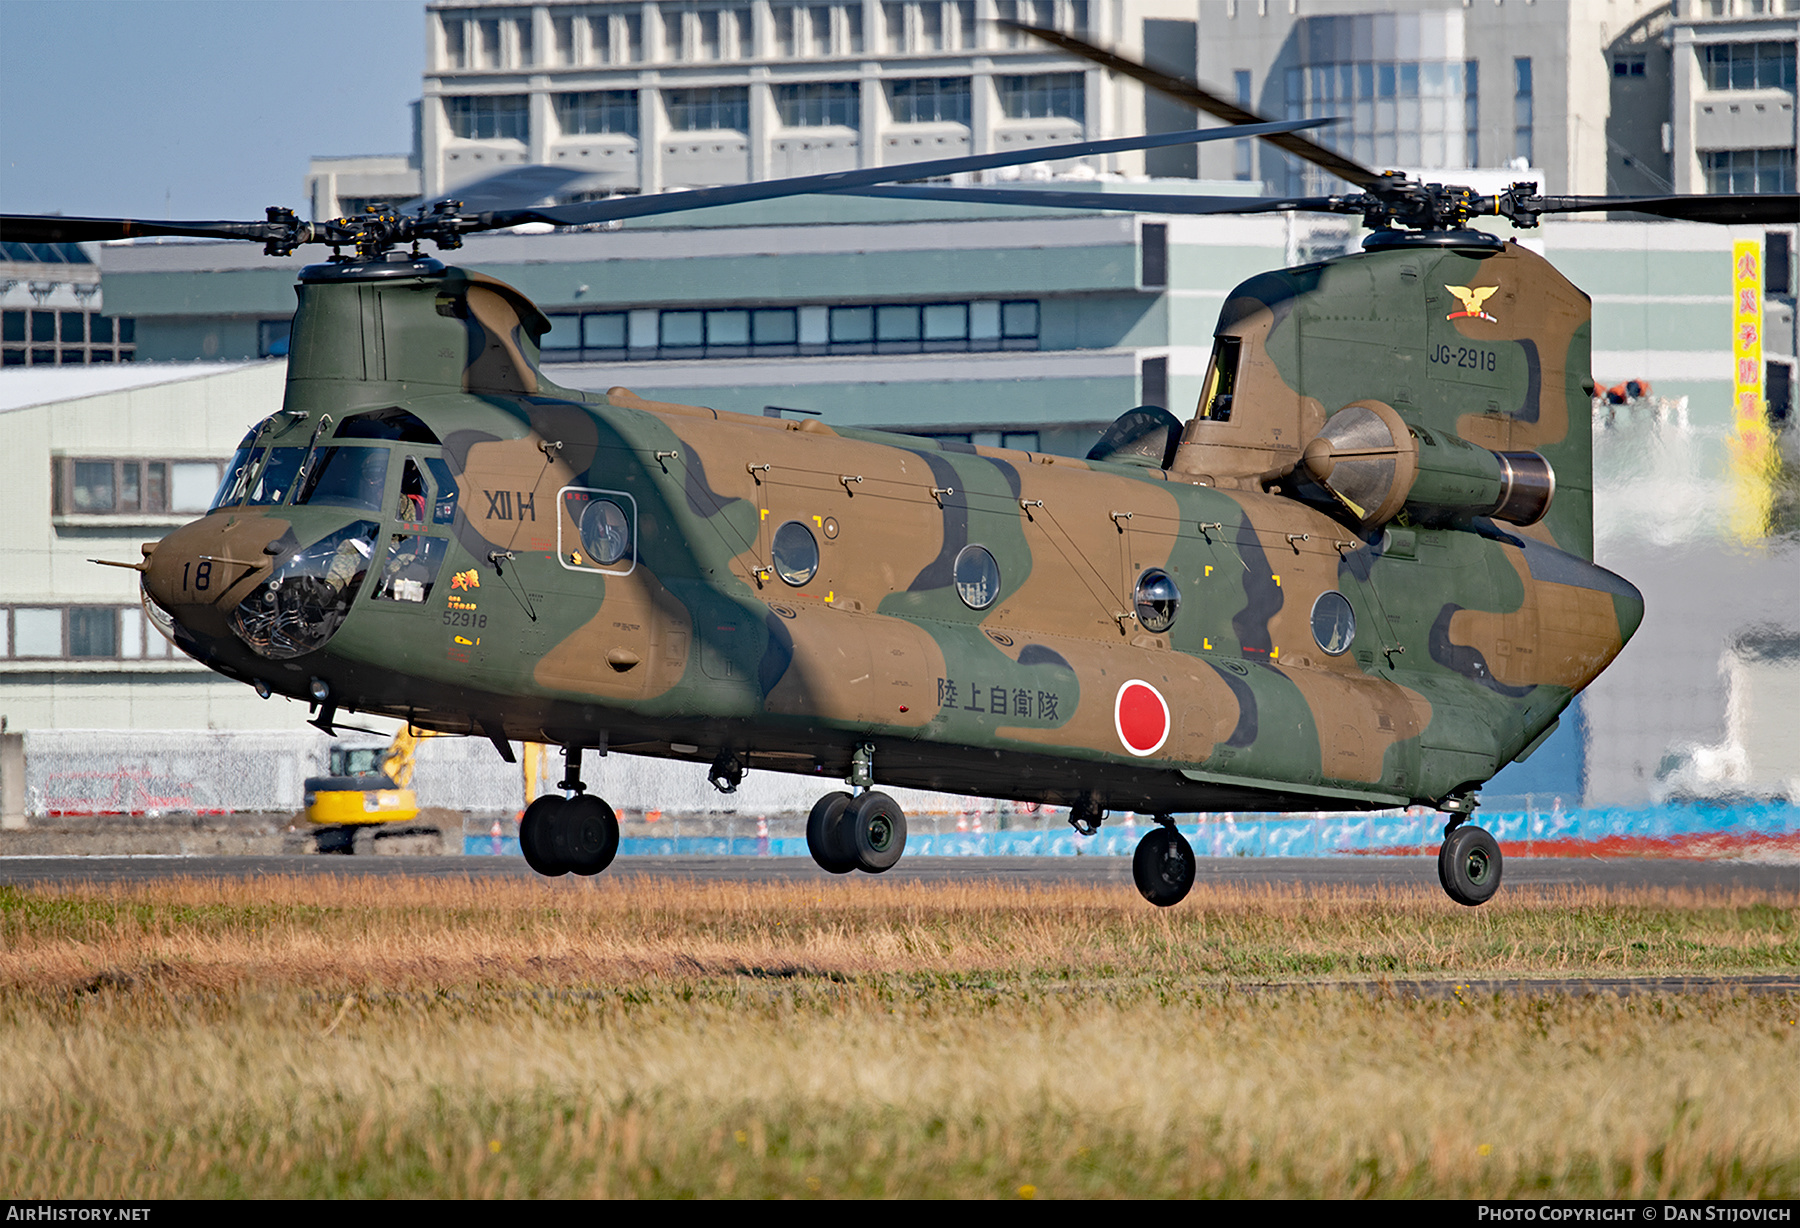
(1752,450)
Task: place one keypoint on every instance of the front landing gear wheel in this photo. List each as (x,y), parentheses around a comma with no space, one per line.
(590,832)
(825,835)
(875,827)
(1163,867)
(537,828)
(1469,866)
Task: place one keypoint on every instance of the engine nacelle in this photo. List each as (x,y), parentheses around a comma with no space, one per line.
(1375,464)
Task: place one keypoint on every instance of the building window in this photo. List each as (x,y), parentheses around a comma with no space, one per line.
(488,117)
(45,337)
(1070,16)
(273,338)
(111,487)
(819,104)
(1748,170)
(738,332)
(817,31)
(1522,119)
(1778,262)
(1420,113)
(1628,66)
(609,38)
(103,632)
(1044,96)
(705,110)
(487,43)
(930,26)
(1244,152)
(929,100)
(598,112)
(1748,66)
(1407,113)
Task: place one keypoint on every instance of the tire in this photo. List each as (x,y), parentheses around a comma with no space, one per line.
(824,834)
(537,828)
(1470,866)
(590,832)
(1163,867)
(876,827)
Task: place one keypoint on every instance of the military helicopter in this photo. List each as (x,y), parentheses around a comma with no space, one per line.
(1359,576)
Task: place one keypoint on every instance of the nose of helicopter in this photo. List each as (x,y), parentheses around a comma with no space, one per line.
(200,572)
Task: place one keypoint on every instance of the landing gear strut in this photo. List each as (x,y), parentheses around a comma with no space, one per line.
(1469,863)
(576,834)
(1163,866)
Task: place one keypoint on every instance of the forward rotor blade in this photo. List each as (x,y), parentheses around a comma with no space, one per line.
(702,198)
(42,228)
(1190,93)
(1132,202)
(1776,208)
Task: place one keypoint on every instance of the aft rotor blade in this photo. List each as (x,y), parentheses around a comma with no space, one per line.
(1133,202)
(771,189)
(1191,94)
(46,228)
(1749,209)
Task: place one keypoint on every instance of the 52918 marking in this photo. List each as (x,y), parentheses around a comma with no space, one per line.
(1466,357)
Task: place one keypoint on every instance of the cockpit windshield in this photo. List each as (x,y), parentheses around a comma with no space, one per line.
(259,476)
(345,476)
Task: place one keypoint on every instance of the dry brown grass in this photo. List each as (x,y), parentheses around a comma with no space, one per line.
(415,1037)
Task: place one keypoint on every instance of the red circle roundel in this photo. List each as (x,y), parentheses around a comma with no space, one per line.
(1141,715)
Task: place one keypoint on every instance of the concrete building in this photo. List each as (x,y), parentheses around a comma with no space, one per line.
(99,461)
(50,308)
(647,96)
(1733,71)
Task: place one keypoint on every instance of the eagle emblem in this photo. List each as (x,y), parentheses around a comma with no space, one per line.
(1472,299)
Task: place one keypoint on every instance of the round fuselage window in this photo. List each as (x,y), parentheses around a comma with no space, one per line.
(1157,600)
(1333,623)
(795,553)
(605,532)
(977,577)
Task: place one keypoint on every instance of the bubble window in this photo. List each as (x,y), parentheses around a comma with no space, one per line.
(1157,599)
(795,553)
(605,531)
(1333,623)
(977,577)
(597,530)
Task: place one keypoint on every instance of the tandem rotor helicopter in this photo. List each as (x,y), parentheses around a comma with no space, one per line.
(1359,576)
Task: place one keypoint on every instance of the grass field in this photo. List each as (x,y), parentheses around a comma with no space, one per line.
(397,1037)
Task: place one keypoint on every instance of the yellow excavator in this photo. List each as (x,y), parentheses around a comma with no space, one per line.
(373,784)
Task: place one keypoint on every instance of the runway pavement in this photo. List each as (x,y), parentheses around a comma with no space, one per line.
(1324,872)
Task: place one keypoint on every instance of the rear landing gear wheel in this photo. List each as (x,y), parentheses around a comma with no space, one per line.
(590,833)
(825,834)
(875,827)
(536,829)
(1469,866)
(1163,867)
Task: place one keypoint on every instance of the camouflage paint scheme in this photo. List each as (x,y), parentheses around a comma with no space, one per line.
(1471,636)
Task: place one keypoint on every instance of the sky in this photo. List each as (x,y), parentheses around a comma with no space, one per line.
(196,109)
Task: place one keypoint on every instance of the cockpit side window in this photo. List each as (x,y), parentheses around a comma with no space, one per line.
(342,476)
(1221,380)
(443,508)
(411,508)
